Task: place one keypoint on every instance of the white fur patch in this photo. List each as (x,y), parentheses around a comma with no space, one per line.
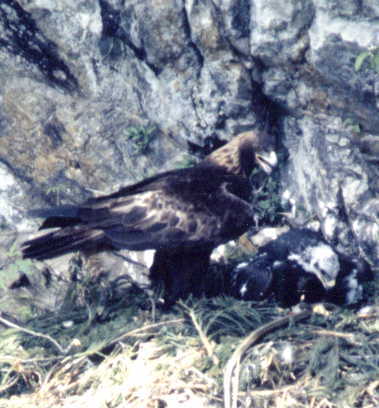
(148,256)
(320,260)
(354,289)
(287,354)
(142,258)
(241,265)
(220,253)
(286,195)
(243,290)
(266,235)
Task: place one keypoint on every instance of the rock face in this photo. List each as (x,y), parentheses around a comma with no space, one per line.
(98,94)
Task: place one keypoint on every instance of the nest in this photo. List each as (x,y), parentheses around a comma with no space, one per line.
(107,351)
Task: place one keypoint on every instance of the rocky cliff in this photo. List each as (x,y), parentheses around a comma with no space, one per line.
(95,94)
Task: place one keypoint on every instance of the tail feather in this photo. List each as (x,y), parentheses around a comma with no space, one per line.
(64,216)
(62,211)
(60,242)
(69,216)
(62,222)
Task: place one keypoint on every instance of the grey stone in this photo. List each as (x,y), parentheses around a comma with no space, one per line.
(278,28)
(95,95)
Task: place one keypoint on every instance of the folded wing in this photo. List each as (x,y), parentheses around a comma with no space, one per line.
(180,208)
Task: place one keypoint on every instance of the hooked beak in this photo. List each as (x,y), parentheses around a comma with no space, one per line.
(267,161)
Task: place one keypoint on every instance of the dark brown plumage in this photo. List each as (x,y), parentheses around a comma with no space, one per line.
(183,214)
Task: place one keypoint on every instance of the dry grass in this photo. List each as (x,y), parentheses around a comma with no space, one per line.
(134,358)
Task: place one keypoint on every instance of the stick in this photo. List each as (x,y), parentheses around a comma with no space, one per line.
(235,359)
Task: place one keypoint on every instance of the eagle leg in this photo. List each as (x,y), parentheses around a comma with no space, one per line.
(181,272)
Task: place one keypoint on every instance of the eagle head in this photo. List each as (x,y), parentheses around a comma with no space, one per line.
(244,152)
(259,149)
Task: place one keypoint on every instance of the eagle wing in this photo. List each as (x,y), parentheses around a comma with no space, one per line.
(187,208)
(151,219)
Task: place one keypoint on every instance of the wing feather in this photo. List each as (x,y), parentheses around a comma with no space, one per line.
(178,209)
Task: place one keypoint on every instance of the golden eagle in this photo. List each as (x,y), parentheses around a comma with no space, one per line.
(182,214)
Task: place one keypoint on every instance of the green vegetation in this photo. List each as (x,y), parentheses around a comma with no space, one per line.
(56,190)
(352,125)
(108,344)
(140,138)
(14,266)
(266,199)
(371,56)
(135,355)
(185,161)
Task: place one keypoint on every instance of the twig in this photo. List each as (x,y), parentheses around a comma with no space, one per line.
(35,334)
(235,359)
(10,384)
(10,359)
(349,337)
(204,339)
(141,330)
(58,368)
(209,380)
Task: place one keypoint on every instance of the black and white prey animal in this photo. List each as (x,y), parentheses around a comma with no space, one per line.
(182,214)
(300,265)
